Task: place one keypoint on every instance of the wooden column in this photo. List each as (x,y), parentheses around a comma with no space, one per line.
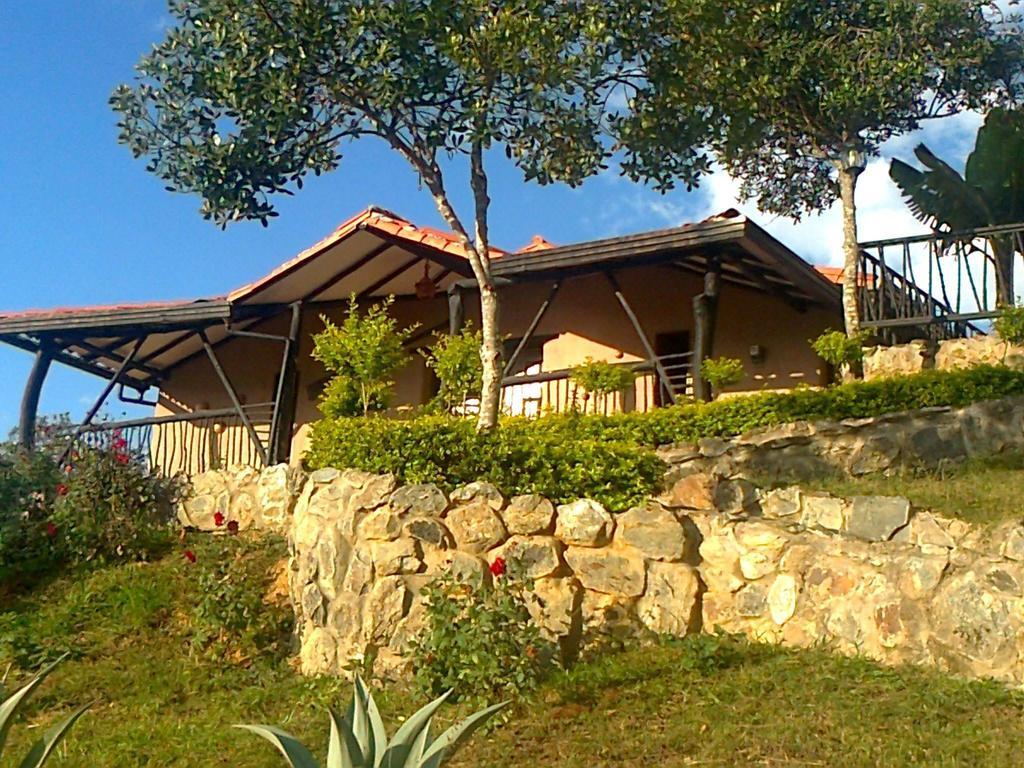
(456,310)
(659,369)
(705,315)
(233,396)
(30,398)
(532,329)
(286,396)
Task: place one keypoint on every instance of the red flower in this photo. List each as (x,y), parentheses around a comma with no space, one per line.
(190,555)
(218,518)
(68,469)
(51,530)
(233,527)
(120,444)
(62,490)
(498,567)
(121,458)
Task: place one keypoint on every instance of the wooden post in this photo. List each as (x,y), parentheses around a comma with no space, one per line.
(125,364)
(531,329)
(705,314)
(659,369)
(30,399)
(456,310)
(286,397)
(233,396)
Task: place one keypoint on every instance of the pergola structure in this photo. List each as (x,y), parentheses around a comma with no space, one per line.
(375,254)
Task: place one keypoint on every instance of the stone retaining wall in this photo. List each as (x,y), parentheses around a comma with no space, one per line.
(868,575)
(950,354)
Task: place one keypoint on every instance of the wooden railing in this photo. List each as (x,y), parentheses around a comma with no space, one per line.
(937,286)
(188,443)
(537,394)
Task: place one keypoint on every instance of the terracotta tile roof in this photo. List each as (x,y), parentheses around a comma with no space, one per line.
(77,311)
(538,243)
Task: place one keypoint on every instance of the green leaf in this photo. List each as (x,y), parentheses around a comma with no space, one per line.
(11,705)
(290,748)
(449,742)
(42,749)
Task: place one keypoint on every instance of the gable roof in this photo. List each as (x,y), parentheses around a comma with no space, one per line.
(377,253)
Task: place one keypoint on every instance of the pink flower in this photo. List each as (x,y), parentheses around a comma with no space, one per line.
(62,489)
(233,527)
(121,458)
(51,530)
(218,518)
(498,567)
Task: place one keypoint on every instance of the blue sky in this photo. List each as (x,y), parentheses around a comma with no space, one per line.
(81,222)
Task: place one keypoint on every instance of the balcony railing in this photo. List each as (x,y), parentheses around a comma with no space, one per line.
(937,286)
(188,443)
(536,394)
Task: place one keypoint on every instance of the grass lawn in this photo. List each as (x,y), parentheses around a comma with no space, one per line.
(982,491)
(708,702)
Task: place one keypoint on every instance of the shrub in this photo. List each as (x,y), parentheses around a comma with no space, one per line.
(362,354)
(229,615)
(610,458)
(722,371)
(109,507)
(1009,325)
(478,639)
(456,362)
(40,751)
(359,740)
(839,350)
(28,484)
(597,377)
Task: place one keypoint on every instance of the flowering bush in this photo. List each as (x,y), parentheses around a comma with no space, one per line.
(110,507)
(478,638)
(28,485)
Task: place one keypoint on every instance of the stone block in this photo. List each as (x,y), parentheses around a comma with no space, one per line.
(782,503)
(669,605)
(391,558)
(420,500)
(479,492)
(529,515)
(534,556)
(877,518)
(692,491)
(653,530)
(380,525)
(476,526)
(584,523)
(608,571)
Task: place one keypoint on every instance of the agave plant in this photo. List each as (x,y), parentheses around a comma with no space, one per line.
(358,740)
(42,749)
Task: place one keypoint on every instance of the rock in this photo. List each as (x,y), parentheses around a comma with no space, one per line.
(422,500)
(736,497)
(554,606)
(607,616)
(380,525)
(391,558)
(370,491)
(1012,536)
(607,571)
(924,529)
(693,491)
(752,601)
(430,531)
(761,547)
(669,605)
(529,515)
(824,511)
(476,526)
(877,518)
(782,503)
(534,556)
(897,360)
(977,350)
(318,655)
(782,598)
(653,530)
(385,606)
(479,491)
(920,574)
(324,475)
(584,523)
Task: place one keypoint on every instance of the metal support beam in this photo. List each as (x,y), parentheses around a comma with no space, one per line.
(30,399)
(107,389)
(541,311)
(233,396)
(705,312)
(648,349)
(287,391)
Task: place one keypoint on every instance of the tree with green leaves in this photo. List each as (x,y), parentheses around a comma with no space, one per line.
(791,97)
(990,191)
(244,98)
(455,360)
(362,354)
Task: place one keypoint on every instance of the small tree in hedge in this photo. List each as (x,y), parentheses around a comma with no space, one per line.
(598,377)
(722,372)
(455,360)
(1009,326)
(363,354)
(842,352)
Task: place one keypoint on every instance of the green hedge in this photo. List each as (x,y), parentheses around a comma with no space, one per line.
(611,458)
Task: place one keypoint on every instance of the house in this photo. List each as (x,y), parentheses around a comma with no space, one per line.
(231,378)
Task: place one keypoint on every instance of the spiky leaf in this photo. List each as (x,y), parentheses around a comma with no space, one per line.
(11,705)
(291,748)
(449,742)
(43,748)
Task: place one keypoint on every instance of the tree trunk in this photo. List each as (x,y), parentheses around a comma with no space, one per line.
(1003,254)
(490,349)
(851,252)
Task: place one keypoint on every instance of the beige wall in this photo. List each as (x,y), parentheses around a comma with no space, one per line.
(585,320)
